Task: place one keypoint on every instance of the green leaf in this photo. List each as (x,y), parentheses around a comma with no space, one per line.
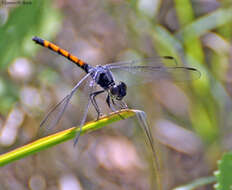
(62,136)
(224,174)
(184,11)
(206,23)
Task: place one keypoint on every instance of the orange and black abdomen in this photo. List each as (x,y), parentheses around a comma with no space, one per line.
(62,52)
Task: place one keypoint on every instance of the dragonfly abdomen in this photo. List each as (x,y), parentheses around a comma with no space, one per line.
(62,52)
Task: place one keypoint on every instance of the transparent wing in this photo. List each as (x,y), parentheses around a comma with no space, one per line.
(133,75)
(55,114)
(154,61)
(90,86)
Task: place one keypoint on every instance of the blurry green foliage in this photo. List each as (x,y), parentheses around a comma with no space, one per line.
(8,95)
(224,174)
(24,22)
(186,46)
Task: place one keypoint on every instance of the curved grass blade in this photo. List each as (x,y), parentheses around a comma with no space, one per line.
(142,118)
(197,183)
(63,136)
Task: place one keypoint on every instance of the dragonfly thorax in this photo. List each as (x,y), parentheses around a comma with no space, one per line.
(118,91)
(103,77)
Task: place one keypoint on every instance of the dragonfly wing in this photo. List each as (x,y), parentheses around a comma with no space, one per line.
(154,61)
(142,74)
(89,88)
(55,114)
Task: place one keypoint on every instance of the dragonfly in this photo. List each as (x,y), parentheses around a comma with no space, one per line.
(103,76)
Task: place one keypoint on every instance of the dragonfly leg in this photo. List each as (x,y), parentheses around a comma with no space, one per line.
(108,101)
(111,106)
(113,101)
(120,104)
(123,105)
(93,100)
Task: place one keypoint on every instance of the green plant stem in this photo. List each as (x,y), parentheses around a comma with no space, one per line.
(62,136)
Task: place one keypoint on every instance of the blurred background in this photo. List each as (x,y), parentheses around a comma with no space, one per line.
(191,120)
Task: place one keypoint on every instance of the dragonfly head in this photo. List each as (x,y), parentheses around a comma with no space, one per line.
(118,91)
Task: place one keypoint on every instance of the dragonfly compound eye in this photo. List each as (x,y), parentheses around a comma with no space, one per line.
(114,90)
(122,90)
